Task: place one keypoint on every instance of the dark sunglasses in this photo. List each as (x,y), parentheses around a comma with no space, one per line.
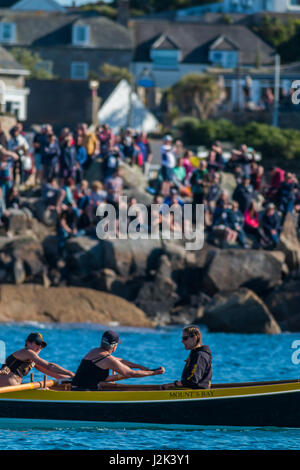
(185,338)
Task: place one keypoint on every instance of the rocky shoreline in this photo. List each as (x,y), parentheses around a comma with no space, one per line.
(147,282)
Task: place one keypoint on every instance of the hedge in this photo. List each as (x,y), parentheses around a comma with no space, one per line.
(271,141)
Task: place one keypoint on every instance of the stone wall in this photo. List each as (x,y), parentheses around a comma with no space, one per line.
(59,102)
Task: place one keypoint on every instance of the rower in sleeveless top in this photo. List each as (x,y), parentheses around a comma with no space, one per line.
(20,363)
(94,367)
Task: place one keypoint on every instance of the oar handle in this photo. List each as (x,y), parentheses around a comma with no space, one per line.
(28,386)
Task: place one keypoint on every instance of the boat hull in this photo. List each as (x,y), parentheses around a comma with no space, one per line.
(274,405)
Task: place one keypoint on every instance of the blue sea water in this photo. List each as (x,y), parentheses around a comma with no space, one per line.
(235,358)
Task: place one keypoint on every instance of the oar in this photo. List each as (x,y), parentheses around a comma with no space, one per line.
(121,377)
(29,386)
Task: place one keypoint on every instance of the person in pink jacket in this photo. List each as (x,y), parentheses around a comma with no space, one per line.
(251,224)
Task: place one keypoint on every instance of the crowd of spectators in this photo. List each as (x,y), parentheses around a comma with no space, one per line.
(255,215)
(59,165)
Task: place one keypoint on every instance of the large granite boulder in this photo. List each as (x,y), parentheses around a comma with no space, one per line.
(83,255)
(158,296)
(24,260)
(230,269)
(44,215)
(20,221)
(241,311)
(127,257)
(30,302)
(284,303)
(289,243)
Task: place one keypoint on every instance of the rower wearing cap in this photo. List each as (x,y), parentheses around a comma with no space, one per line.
(95,366)
(20,363)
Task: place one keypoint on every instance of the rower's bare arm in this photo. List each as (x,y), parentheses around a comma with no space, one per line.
(133,365)
(48,367)
(52,373)
(126,372)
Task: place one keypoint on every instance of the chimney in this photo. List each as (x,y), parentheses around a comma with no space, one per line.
(123,12)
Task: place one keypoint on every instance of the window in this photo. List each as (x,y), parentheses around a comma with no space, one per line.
(164,59)
(227,59)
(79,70)
(7,32)
(217,57)
(81,35)
(13,107)
(230,60)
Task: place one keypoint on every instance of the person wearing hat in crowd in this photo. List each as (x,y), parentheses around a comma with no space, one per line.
(96,364)
(271,225)
(20,363)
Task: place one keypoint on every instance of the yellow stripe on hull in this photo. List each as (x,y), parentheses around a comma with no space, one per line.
(136,396)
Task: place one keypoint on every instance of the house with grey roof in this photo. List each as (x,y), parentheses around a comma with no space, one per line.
(37,5)
(168,50)
(71,46)
(13,93)
(165,51)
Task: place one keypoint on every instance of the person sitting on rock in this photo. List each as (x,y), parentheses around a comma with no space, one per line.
(96,364)
(287,195)
(271,225)
(221,226)
(236,223)
(243,194)
(252,225)
(4,214)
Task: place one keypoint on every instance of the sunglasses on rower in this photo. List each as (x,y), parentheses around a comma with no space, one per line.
(185,338)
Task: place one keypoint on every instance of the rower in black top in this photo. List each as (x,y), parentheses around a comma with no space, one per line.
(88,374)
(94,367)
(20,363)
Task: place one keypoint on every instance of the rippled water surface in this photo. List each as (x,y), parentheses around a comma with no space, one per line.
(235,358)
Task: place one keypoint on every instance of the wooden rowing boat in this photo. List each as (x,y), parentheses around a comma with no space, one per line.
(256,404)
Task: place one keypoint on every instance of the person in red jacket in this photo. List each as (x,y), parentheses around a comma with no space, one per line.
(251,224)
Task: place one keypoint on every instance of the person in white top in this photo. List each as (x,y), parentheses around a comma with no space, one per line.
(168,159)
(18,144)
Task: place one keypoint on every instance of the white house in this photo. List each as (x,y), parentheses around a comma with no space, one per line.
(241,6)
(123,108)
(13,94)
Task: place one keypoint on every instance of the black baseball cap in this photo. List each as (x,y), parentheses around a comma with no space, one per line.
(110,337)
(37,338)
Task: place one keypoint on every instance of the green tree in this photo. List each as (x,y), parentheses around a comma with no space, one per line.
(115,73)
(277,31)
(30,62)
(152,6)
(196,95)
(101,8)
